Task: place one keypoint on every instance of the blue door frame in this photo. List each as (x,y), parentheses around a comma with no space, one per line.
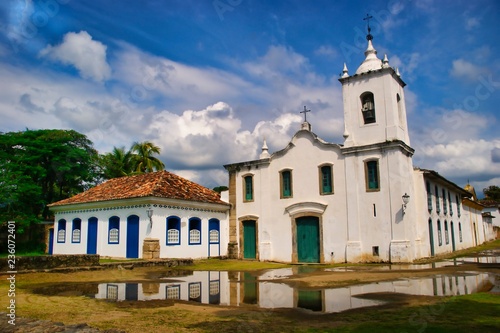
(92,236)
(133,236)
(51,241)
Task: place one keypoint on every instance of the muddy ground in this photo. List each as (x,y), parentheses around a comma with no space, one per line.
(37,312)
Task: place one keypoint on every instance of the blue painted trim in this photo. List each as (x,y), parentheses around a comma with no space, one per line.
(61,225)
(177,220)
(114,223)
(73,230)
(194,220)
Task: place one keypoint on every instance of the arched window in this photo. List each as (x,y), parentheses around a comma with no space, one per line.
(173,230)
(194,231)
(368,107)
(61,231)
(114,230)
(400,109)
(213,227)
(77,226)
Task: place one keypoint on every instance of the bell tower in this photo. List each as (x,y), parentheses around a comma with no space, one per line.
(378,161)
(374,102)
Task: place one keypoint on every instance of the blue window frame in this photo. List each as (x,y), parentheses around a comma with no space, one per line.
(114,230)
(214,231)
(61,231)
(445,203)
(77,231)
(458,205)
(372,176)
(194,231)
(173,230)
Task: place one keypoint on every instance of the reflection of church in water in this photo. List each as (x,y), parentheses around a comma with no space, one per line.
(247,289)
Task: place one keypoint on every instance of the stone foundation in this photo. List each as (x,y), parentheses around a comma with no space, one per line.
(54,261)
(232,250)
(151,249)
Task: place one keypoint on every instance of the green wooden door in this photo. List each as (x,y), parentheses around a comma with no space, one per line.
(249,240)
(308,239)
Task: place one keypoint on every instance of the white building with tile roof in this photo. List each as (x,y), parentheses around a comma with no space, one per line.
(152,215)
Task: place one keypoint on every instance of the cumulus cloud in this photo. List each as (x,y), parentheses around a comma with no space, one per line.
(464,69)
(82,52)
(202,139)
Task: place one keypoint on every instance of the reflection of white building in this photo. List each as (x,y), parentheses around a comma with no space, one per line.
(363,200)
(153,215)
(245,289)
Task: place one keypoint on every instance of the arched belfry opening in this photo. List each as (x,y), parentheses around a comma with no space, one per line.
(368,107)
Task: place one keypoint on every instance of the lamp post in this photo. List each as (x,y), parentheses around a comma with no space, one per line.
(406,199)
(149,211)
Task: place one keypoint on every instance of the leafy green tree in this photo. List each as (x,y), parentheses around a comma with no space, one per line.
(38,167)
(492,193)
(144,159)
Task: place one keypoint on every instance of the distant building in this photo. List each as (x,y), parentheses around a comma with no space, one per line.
(363,200)
(152,215)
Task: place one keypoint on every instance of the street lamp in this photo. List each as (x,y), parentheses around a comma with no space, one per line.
(149,211)
(406,199)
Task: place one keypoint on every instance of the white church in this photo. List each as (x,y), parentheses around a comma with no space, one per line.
(311,202)
(363,200)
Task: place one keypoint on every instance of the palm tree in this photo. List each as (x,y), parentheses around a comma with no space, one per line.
(118,163)
(144,159)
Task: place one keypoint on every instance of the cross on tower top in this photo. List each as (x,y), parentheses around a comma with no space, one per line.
(367,19)
(305,113)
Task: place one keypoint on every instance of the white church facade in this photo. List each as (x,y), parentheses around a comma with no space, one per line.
(362,200)
(149,216)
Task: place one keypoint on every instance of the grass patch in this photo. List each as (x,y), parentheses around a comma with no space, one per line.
(25,254)
(232,265)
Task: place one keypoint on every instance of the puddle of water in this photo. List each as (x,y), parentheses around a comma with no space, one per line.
(247,289)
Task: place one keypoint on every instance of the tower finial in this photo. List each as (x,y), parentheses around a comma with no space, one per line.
(367,19)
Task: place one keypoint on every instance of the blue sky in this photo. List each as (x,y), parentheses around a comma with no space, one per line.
(207,80)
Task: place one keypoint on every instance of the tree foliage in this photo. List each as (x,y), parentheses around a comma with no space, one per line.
(492,193)
(38,167)
(138,159)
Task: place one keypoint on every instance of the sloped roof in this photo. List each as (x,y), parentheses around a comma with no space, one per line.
(161,184)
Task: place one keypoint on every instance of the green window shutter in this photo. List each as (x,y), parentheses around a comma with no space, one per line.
(326,177)
(287,183)
(248,188)
(372,167)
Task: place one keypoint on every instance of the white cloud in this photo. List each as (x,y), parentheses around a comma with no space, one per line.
(464,69)
(326,50)
(82,52)
(202,139)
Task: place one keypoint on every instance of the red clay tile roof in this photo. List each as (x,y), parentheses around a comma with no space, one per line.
(162,184)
